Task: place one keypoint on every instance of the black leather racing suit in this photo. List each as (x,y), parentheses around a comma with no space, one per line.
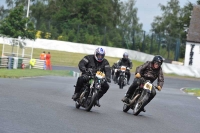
(127,63)
(148,73)
(90,62)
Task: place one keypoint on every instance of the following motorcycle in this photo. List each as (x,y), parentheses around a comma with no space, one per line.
(89,92)
(122,79)
(140,97)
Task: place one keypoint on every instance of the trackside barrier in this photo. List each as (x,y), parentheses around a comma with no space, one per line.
(75,74)
(4,62)
(38,64)
(25,63)
(21,63)
(110,51)
(177,63)
(10,62)
(16,62)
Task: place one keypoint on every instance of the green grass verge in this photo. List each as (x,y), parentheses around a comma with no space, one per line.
(17,73)
(195,91)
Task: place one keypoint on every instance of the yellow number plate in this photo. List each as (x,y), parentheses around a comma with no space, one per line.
(148,86)
(100,74)
(123,68)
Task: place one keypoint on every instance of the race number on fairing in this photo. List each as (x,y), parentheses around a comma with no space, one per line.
(100,74)
(148,86)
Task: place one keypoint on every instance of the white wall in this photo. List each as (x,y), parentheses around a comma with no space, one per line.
(196,56)
(110,51)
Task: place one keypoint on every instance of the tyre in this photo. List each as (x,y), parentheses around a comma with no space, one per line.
(126,108)
(121,84)
(138,108)
(90,101)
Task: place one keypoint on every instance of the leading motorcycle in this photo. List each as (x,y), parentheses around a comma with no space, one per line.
(140,97)
(90,90)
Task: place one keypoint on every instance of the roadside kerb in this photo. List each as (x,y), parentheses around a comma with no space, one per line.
(182,89)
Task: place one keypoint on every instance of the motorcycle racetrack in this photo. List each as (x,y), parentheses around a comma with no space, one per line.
(44,105)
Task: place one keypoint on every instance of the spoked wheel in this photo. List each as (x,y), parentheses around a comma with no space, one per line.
(126,107)
(77,105)
(90,102)
(121,83)
(138,108)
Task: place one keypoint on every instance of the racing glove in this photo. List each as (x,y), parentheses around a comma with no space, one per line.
(159,88)
(83,69)
(138,75)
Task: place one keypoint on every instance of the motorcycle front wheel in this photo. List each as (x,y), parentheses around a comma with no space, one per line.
(90,101)
(138,108)
(126,107)
(121,84)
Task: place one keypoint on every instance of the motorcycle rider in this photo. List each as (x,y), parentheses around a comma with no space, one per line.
(94,62)
(151,70)
(125,61)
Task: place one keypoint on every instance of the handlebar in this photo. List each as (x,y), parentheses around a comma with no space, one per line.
(144,80)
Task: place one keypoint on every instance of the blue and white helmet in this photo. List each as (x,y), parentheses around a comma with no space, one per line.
(99,54)
(125,55)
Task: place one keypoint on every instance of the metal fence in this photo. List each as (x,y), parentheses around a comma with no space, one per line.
(169,47)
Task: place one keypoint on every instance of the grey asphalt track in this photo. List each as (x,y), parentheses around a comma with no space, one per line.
(44,105)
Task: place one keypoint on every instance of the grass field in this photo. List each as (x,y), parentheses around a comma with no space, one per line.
(62,58)
(18,73)
(195,91)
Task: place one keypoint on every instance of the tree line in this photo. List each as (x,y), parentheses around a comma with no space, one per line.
(100,22)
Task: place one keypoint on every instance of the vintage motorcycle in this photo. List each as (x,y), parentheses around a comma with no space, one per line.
(139,99)
(122,79)
(89,92)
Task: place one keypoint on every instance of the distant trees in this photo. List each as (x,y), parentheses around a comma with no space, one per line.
(173,22)
(15,24)
(102,22)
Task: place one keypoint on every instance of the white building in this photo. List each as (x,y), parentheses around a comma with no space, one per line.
(192,51)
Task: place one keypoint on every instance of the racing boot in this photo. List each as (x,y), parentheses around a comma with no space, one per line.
(75,96)
(128,83)
(144,110)
(97,101)
(125,99)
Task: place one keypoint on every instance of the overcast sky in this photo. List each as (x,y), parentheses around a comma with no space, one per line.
(147,10)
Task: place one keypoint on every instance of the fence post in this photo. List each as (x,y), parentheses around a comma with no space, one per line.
(159,43)
(151,44)
(143,43)
(104,40)
(78,32)
(177,49)
(133,40)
